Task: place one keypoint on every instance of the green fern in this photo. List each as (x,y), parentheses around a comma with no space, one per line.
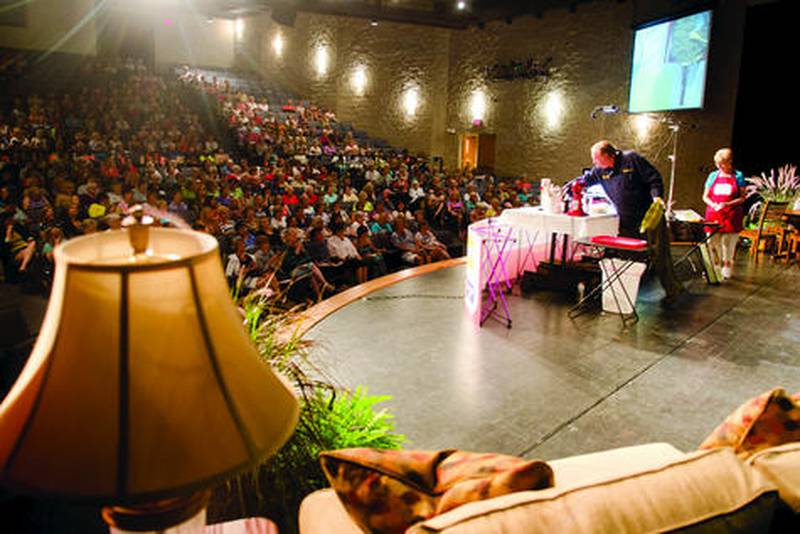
(330,418)
(352,420)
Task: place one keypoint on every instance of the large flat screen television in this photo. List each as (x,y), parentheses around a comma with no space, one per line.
(670,58)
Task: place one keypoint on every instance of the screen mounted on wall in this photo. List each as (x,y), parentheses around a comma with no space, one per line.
(669,64)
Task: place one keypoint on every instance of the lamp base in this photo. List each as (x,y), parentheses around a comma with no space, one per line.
(178,515)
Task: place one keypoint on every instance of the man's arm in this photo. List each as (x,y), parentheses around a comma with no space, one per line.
(649,176)
(592,177)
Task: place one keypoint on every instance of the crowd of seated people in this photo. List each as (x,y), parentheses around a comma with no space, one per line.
(305,204)
(13,64)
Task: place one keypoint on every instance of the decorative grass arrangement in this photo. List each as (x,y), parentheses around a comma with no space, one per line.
(781,188)
(330,418)
(784,187)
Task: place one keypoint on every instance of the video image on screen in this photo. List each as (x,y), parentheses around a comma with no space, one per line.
(669,64)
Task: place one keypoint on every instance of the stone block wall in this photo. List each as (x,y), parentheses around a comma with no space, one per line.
(543,126)
(368,72)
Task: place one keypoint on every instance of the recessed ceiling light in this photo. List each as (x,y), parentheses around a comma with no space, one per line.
(373,22)
(461,5)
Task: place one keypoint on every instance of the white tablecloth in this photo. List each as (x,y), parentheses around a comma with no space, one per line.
(531,230)
(535,220)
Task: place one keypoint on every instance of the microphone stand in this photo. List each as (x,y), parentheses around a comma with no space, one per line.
(675,128)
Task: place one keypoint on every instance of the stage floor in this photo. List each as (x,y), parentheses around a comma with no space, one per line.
(552,387)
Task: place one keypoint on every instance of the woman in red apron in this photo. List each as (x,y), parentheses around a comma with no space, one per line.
(724,195)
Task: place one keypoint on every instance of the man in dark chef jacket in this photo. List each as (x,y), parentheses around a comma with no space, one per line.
(633,184)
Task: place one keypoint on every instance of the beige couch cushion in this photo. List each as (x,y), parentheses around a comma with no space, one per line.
(614,463)
(709,490)
(322,512)
(781,465)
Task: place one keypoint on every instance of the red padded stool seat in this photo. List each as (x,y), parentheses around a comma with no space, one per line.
(625,243)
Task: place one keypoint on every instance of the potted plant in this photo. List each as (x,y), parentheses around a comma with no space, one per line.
(783,187)
(331,418)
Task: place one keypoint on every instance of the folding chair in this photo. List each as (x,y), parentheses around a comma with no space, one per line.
(629,251)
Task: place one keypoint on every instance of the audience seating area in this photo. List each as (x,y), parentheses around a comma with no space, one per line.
(278,98)
(302,204)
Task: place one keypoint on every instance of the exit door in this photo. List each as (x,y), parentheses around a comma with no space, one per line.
(477,151)
(469,151)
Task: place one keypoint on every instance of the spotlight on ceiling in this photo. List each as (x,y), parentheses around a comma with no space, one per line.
(373,22)
(461,5)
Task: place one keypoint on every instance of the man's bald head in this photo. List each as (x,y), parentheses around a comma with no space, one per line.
(604,154)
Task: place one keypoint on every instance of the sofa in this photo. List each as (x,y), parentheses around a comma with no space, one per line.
(646,488)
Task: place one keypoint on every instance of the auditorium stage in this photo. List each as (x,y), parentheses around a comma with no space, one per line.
(552,387)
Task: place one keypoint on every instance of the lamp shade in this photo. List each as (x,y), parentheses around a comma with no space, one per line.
(143,383)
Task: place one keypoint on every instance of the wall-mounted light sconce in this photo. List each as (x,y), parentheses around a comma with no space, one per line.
(359,80)
(411,101)
(553,109)
(277,44)
(321,60)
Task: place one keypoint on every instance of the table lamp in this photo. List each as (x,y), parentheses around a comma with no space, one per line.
(143,389)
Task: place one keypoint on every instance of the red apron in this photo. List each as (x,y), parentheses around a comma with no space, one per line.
(725,189)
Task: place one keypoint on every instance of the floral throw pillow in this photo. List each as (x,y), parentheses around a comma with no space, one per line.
(388,491)
(765,421)
(384,491)
(466,477)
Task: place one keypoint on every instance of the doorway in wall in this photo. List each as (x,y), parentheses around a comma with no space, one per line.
(477,151)
(469,151)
